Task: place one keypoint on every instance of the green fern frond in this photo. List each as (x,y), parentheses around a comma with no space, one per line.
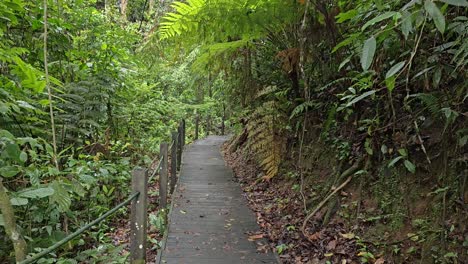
(212,52)
(182,20)
(431,102)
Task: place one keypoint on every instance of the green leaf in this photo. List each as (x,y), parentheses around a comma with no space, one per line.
(456,2)
(403,152)
(379,18)
(12,152)
(347,41)
(406,24)
(342,17)
(390,83)
(410,166)
(17,201)
(9,171)
(2,221)
(359,98)
(37,193)
(6,134)
(368,53)
(395,69)
(394,161)
(436,15)
(23,157)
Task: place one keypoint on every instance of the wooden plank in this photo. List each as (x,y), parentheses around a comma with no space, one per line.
(138,217)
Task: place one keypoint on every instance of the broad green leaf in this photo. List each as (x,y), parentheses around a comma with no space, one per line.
(456,2)
(18,201)
(12,152)
(368,52)
(359,98)
(9,171)
(2,221)
(37,193)
(379,18)
(406,24)
(6,134)
(435,14)
(395,69)
(410,166)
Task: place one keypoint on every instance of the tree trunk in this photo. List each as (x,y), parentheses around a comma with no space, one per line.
(10,225)
(123,9)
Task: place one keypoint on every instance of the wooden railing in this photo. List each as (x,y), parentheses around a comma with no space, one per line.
(139,199)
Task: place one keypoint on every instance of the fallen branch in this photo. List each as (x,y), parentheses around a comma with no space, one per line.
(349,172)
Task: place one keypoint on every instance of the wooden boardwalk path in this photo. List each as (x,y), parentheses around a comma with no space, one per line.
(210,221)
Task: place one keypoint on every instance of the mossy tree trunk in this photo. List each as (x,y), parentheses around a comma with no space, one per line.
(10,225)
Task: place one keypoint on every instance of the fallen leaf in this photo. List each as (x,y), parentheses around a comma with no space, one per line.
(315,236)
(380,261)
(331,245)
(255,237)
(348,236)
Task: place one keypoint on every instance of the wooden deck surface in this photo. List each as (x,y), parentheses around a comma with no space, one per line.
(210,221)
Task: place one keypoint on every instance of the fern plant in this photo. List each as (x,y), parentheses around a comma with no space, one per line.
(265,134)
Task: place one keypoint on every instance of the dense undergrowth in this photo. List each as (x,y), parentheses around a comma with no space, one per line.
(356,109)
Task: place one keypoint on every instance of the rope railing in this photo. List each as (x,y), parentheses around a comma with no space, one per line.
(79,231)
(138,200)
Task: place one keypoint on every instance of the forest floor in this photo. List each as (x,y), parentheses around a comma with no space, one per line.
(280,213)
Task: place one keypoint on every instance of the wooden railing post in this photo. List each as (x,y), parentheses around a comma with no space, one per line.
(208,125)
(179,147)
(197,124)
(138,217)
(174,161)
(183,133)
(163,177)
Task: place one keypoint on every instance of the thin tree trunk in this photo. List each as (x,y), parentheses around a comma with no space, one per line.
(123,9)
(6,208)
(49,92)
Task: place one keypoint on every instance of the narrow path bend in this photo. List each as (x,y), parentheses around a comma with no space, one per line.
(210,222)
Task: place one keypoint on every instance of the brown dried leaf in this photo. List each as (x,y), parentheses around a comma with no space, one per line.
(315,236)
(331,245)
(380,261)
(255,237)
